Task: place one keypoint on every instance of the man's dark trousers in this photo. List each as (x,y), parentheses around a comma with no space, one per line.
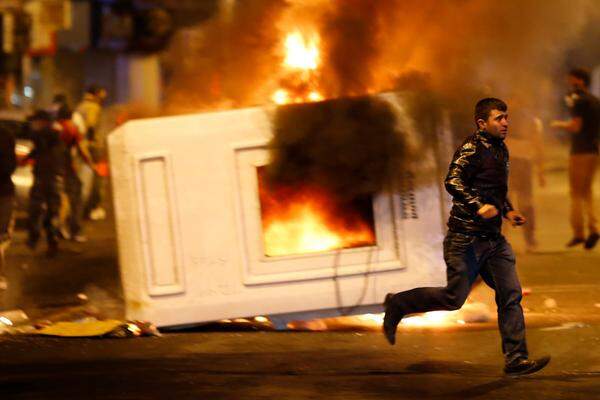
(466,257)
(73,188)
(45,191)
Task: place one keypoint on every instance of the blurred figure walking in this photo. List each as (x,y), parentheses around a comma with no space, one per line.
(526,145)
(584,127)
(60,102)
(74,145)
(90,109)
(48,173)
(8,163)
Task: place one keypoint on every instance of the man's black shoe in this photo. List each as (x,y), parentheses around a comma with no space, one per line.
(591,241)
(575,241)
(524,366)
(391,319)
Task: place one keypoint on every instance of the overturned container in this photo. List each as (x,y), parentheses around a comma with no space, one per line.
(202,238)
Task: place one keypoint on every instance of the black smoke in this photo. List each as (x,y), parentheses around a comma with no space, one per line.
(351,30)
(350,146)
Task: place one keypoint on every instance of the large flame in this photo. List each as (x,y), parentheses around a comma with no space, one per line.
(302,52)
(300,65)
(306,228)
(304,220)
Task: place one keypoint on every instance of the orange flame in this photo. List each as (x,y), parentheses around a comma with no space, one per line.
(302,60)
(302,52)
(373,322)
(305,229)
(307,220)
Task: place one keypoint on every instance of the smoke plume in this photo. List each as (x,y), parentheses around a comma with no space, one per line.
(466,47)
(225,63)
(350,146)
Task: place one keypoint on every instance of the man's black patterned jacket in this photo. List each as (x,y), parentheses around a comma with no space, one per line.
(478,175)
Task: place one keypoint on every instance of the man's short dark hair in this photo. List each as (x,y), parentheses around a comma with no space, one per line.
(59,98)
(40,115)
(94,89)
(581,73)
(485,106)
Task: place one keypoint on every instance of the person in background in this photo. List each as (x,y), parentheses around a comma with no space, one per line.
(60,102)
(8,163)
(48,173)
(526,145)
(90,109)
(74,145)
(584,129)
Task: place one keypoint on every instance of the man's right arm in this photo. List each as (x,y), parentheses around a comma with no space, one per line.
(572,125)
(463,166)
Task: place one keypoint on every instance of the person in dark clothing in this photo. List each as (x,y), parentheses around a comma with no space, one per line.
(584,127)
(59,102)
(478,182)
(48,172)
(8,163)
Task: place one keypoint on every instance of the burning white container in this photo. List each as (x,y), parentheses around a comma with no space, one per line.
(190,235)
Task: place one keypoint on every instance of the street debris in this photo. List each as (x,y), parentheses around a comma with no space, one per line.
(565,326)
(13,317)
(91,327)
(14,322)
(550,303)
(475,312)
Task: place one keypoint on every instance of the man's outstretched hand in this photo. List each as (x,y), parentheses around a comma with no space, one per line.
(515,218)
(487,211)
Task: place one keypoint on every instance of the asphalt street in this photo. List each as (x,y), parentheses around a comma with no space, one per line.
(276,365)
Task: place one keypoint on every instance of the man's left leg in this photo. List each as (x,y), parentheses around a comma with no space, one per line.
(73,190)
(576,193)
(6,219)
(500,274)
(51,221)
(589,171)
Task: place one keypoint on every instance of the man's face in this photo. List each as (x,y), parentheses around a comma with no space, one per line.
(575,83)
(496,124)
(101,95)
